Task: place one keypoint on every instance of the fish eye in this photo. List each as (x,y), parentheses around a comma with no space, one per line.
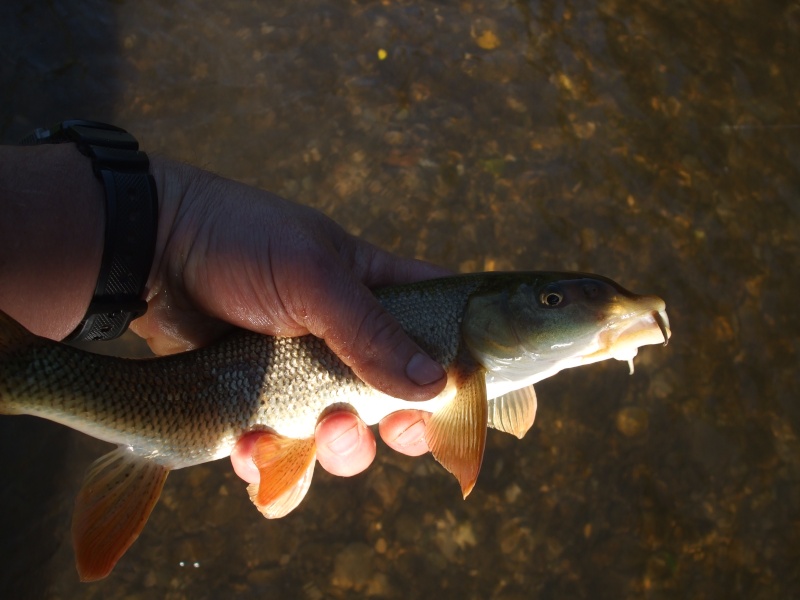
(551,298)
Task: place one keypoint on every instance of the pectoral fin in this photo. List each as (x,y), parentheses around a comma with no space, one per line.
(286,466)
(456,434)
(118,494)
(513,412)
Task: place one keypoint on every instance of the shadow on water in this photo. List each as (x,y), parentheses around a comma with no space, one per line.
(57,60)
(655,142)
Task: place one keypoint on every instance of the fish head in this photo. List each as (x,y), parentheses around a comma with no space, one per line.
(525,327)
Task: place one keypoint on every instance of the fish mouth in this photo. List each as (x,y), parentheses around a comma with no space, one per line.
(651,327)
(637,322)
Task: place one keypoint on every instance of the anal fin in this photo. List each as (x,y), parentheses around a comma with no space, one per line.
(286,466)
(456,434)
(513,412)
(117,497)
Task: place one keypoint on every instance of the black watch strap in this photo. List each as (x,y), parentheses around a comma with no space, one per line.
(131,223)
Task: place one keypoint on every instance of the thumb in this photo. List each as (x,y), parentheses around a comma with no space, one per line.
(369,339)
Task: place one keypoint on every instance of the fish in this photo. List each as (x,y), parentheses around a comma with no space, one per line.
(495,334)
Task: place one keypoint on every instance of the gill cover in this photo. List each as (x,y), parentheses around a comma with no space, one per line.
(525,329)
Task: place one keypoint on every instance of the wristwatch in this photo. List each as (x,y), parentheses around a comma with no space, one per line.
(131,223)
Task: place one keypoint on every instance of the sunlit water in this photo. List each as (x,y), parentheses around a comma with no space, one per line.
(655,142)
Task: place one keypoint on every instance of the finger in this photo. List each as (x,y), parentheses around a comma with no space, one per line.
(404,431)
(376,267)
(338,308)
(242,457)
(169,329)
(374,345)
(345,445)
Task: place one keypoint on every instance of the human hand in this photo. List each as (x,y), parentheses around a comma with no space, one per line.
(228,254)
(345,445)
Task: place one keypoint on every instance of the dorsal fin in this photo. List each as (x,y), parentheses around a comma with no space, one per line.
(118,494)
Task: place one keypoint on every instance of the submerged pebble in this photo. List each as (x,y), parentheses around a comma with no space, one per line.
(632,421)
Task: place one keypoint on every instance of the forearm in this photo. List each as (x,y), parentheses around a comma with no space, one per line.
(51,236)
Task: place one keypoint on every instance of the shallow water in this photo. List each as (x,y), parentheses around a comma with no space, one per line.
(654,142)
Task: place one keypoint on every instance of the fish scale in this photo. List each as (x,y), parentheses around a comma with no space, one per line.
(496,334)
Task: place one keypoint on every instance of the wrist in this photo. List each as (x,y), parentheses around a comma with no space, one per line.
(173,181)
(51,236)
(188,202)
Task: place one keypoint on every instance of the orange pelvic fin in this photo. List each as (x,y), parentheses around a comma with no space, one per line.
(118,494)
(456,434)
(513,412)
(286,466)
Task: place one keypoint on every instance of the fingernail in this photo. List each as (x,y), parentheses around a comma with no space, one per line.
(347,442)
(422,370)
(411,434)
